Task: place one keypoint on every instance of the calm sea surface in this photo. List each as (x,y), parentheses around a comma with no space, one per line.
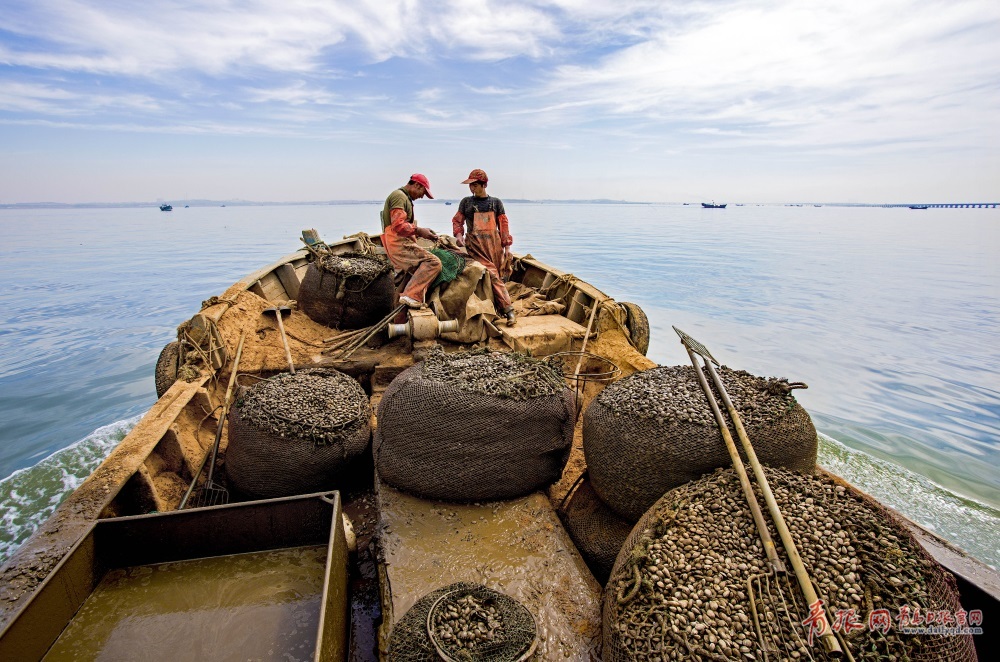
(892,316)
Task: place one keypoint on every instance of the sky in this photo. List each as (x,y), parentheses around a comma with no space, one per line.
(642,100)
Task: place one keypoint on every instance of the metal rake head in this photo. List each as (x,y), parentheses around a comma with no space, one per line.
(210,494)
(696,346)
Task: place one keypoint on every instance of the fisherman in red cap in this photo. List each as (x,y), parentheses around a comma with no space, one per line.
(480,225)
(399,232)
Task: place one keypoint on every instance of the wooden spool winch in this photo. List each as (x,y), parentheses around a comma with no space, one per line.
(422,324)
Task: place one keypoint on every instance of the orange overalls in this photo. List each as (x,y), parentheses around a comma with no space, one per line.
(404,253)
(484,244)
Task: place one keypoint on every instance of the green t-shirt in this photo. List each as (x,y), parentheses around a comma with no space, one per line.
(398,199)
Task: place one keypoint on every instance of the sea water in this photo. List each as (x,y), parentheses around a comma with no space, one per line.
(890,315)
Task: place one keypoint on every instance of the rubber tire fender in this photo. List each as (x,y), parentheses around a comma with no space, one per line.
(166,367)
(638,326)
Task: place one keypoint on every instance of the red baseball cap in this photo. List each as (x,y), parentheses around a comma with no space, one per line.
(477,175)
(420,179)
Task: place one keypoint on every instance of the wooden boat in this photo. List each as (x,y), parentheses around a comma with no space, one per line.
(166,207)
(918,206)
(127,514)
(712,205)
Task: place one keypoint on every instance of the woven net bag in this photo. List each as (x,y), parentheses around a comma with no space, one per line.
(692,580)
(294,434)
(348,291)
(653,430)
(496,627)
(474,426)
(597,531)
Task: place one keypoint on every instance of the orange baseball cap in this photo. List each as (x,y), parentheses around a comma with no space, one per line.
(422,180)
(477,175)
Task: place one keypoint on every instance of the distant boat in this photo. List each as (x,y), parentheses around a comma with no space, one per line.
(712,205)
(166,207)
(186,206)
(447,203)
(222,205)
(686,204)
(918,206)
(817,205)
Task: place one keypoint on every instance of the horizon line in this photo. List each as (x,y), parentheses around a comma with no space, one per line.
(202,202)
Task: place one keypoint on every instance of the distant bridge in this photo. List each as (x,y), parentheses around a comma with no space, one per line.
(946,205)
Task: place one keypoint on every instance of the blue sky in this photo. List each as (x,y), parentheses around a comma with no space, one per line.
(884,100)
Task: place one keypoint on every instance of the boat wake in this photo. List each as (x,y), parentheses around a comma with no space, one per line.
(966,523)
(31,495)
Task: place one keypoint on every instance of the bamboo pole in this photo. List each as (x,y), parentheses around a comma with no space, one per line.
(586,336)
(826,635)
(354,345)
(741,470)
(222,419)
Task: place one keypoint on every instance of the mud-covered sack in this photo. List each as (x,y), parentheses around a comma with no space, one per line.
(347,291)
(474,426)
(692,580)
(653,430)
(294,434)
(597,531)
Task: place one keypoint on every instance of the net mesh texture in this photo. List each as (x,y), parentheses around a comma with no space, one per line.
(597,531)
(348,291)
(473,426)
(654,430)
(293,434)
(464,621)
(692,580)
(452,264)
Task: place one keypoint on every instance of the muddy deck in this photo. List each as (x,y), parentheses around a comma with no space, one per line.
(517,547)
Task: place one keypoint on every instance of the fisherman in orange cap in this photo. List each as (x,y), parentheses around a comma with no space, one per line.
(399,232)
(480,224)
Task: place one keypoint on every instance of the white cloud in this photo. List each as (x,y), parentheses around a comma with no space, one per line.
(50,100)
(295,94)
(655,80)
(491,90)
(816,70)
(220,38)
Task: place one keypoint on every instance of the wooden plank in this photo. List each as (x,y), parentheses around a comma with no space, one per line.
(289,280)
(518,547)
(74,517)
(273,289)
(250,280)
(584,286)
(542,334)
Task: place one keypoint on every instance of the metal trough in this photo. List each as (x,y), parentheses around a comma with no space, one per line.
(270,574)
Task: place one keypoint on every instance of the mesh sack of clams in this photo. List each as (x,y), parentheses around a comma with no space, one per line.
(293,434)
(692,580)
(473,426)
(464,621)
(653,430)
(597,531)
(347,291)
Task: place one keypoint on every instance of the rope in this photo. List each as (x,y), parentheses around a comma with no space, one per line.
(572,488)
(568,279)
(368,246)
(291,335)
(215,301)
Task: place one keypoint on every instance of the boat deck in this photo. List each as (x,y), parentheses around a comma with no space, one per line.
(517,547)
